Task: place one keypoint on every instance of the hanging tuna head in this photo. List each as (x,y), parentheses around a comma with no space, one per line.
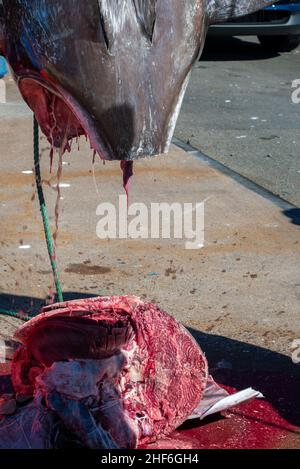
(112,69)
(115,70)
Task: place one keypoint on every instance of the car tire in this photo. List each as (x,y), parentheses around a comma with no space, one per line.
(279,43)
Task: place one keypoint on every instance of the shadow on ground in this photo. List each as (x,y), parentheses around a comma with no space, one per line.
(294,215)
(241,365)
(232,363)
(233,48)
(31,306)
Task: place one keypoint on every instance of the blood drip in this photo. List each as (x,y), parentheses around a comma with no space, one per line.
(127,168)
(57,204)
(52,118)
(51,158)
(65,146)
(93,171)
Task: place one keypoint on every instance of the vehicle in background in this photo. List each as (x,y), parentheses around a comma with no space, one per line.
(277,26)
(3,67)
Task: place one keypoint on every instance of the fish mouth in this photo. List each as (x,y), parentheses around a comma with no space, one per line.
(73,360)
(73,338)
(60,117)
(64,332)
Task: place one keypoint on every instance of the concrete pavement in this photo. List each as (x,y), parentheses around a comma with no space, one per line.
(238,110)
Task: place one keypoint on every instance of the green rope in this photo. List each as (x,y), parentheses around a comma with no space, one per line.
(44,211)
(14,314)
(46,224)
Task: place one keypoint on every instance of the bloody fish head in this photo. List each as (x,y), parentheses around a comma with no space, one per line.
(123,362)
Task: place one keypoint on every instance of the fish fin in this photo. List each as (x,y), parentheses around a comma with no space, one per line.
(108,36)
(146,15)
(115,13)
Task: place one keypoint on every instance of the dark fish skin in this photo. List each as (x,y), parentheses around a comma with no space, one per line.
(116,70)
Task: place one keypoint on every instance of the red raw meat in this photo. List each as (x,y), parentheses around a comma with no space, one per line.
(114,367)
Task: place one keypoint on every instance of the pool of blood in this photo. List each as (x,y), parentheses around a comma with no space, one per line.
(270,423)
(254,425)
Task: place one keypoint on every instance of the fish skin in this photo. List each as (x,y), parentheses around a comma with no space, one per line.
(119,67)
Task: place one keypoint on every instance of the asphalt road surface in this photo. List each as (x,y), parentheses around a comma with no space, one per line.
(238,110)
